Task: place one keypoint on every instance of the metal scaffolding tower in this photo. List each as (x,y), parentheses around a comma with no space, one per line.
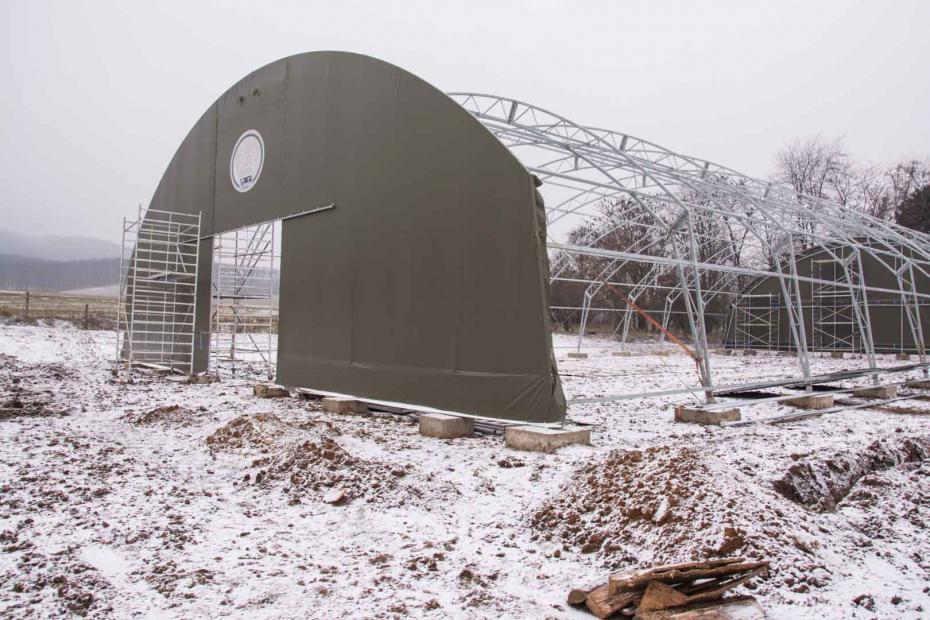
(832,316)
(157,293)
(756,320)
(244,313)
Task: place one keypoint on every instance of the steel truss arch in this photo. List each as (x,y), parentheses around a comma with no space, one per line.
(678,205)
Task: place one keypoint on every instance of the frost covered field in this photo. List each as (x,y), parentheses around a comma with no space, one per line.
(167,500)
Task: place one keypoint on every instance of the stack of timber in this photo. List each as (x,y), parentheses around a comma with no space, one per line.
(684,591)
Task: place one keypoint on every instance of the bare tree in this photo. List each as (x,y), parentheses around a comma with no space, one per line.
(823,169)
(815,167)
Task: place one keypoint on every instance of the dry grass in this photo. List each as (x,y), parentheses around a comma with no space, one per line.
(101,311)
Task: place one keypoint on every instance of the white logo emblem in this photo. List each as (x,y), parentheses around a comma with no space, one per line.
(245,165)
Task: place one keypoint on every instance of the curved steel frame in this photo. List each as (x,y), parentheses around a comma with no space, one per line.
(671,195)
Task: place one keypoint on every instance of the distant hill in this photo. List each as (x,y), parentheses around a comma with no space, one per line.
(56,247)
(18,273)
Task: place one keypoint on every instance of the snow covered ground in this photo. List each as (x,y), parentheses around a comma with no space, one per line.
(116,503)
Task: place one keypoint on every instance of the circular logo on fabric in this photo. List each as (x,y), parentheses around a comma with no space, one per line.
(245,165)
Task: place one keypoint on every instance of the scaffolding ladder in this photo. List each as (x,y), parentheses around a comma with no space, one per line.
(243,313)
(834,327)
(157,291)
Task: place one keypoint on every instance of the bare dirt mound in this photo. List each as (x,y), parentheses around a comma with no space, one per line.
(260,431)
(169,415)
(323,470)
(668,504)
(307,463)
(822,483)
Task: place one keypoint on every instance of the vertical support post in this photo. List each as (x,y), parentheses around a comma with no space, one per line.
(795,312)
(863,314)
(119,297)
(26,307)
(585,309)
(912,306)
(666,313)
(700,340)
(627,317)
(694,317)
(193,293)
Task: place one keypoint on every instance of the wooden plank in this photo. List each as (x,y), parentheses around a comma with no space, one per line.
(717,590)
(661,596)
(625,581)
(734,609)
(577,596)
(603,604)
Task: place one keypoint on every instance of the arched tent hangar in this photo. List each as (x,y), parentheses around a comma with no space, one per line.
(413,247)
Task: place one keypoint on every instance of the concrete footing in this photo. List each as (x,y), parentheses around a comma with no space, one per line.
(904,357)
(706,416)
(812,401)
(663,353)
(724,352)
(445,426)
(788,353)
(575,355)
(750,352)
(335,404)
(263,390)
(622,353)
(921,384)
(876,391)
(536,439)
(201,379)
(837,355)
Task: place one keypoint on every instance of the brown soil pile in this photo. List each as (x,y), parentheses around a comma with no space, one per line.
(822,483)
(167,415)
(665,505)
(307,463)
(311,469)
(260,431)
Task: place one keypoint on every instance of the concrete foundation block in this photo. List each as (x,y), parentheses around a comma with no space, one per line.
(750,352)
(812,401)
(335,404)
(788,353)
(201,379)
(876,391)
(920,384)
(263,390)
(445,426)
(575,355)
(693,415)
(724,352)
(536,439)
(622,353)
(904,357)
(837,355)
(663,353)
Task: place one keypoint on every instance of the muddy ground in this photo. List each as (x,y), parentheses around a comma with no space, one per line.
(163,499)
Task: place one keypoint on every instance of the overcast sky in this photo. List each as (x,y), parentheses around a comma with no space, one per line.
(97,96)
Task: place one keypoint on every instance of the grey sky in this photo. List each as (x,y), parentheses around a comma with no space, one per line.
(97,95)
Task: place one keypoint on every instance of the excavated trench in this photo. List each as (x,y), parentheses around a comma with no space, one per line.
(822,483)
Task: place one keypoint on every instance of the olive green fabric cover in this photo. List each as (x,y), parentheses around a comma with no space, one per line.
(427,283)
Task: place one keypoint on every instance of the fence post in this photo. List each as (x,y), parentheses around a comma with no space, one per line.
(86,306)
(26,310)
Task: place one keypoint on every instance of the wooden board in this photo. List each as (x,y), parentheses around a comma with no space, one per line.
(733,609)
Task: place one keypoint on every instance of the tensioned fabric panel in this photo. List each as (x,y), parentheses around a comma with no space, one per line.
(425,283)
